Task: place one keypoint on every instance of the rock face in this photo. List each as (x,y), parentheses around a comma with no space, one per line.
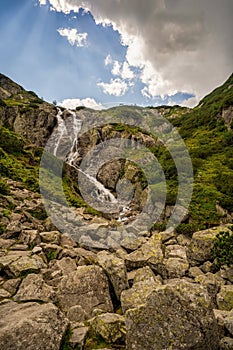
(31,326)
(27,115)
(87,287)
(175,316)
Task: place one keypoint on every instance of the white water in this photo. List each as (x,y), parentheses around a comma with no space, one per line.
(72,131)
(59,132)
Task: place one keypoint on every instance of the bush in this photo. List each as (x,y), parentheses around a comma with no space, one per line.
(186,229)
(4,188)
(223,248)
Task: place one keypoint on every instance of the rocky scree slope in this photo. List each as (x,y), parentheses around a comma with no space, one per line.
(159,291)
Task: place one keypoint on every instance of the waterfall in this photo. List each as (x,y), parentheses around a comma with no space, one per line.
(70,129)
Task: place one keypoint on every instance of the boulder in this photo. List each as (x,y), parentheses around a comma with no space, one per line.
(24,265)
(201,245)
(175,316)
(110,326)
(150,253)
(78,337)
(226,343)
(144,283)
(33,288)
(87,287)
(225,298)
(225,319)
(115,269)
(31,326)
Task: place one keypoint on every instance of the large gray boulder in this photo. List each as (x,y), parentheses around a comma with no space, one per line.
(87,287)
(115,269)
(31,326)
(176,316)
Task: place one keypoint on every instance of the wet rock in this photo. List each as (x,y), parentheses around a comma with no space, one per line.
(175,316)
(110,326)
(31,326)
(115,269)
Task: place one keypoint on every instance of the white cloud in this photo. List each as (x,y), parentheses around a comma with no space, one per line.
(75,102)
(80,39)
(191,102)
(122,70)
(108,60)
(42,2)
(116,87)
(188,44)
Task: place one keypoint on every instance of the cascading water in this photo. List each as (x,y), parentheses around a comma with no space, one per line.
(71,128)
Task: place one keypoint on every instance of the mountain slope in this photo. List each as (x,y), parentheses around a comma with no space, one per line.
(206,129)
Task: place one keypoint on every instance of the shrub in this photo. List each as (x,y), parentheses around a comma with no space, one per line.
(4,188)
(186,229)
(223,248)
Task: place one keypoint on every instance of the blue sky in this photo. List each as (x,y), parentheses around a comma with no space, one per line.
(62,52)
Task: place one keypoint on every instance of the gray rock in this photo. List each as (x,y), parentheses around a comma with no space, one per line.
(226,344)
(76,314)
(212,283)
(30,237)
(201,245)
(150,253)
(12,285)
(110,326)
(175,267)
(144,283)
(33,288)
(25,264)
(225,319)
(52,237)
(87,287)
(78,337)
(175,316)
(115,269)
(225,298)
(31,326)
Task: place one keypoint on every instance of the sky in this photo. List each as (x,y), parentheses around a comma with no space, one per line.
(101,53)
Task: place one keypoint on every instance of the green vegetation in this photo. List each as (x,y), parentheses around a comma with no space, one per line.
(223,248)
(4,187)
(208,137)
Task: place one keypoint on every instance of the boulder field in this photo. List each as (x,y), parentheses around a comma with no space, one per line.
(157,292)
